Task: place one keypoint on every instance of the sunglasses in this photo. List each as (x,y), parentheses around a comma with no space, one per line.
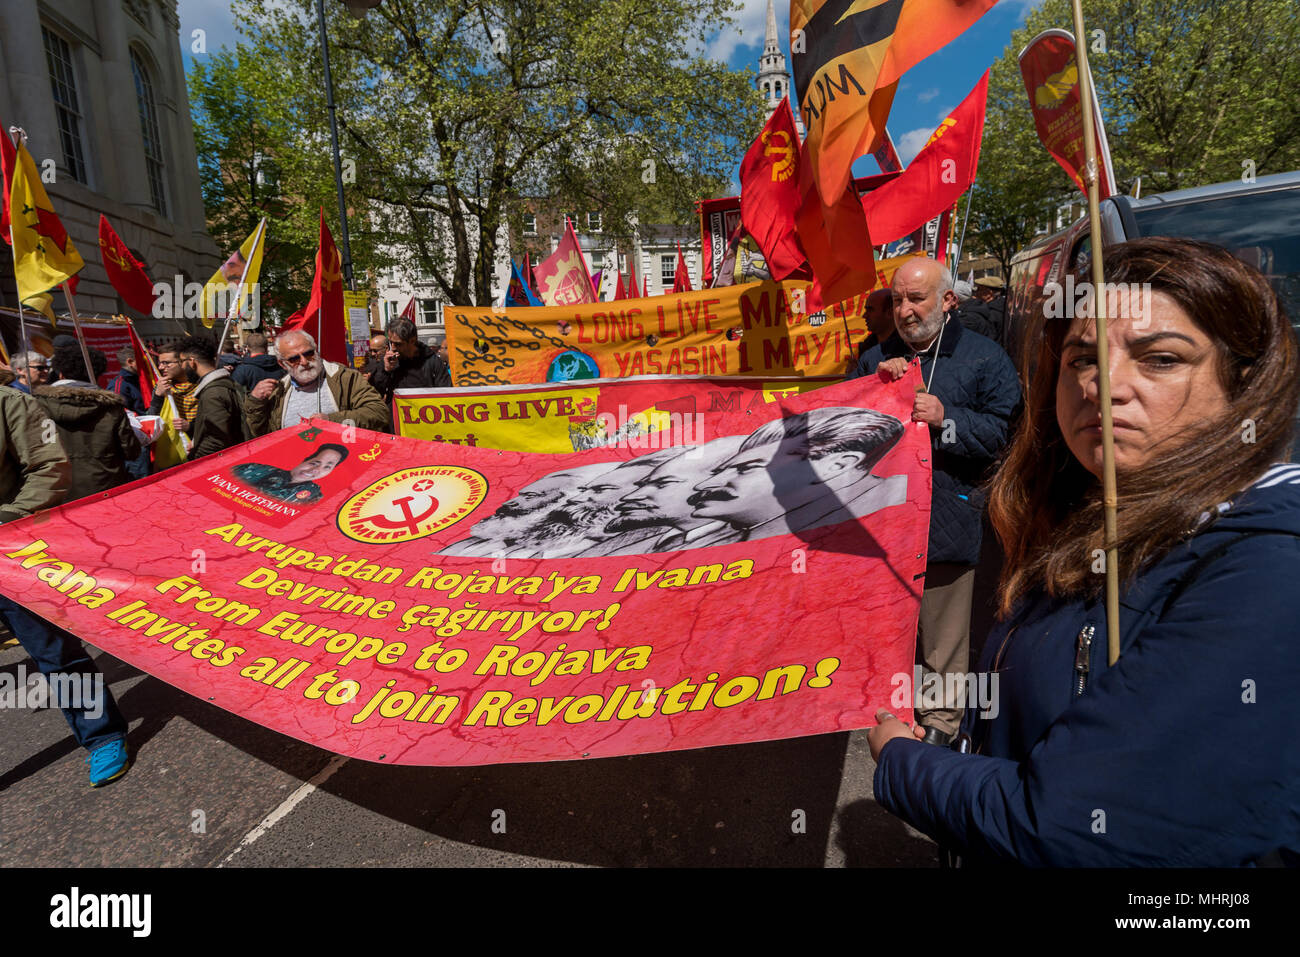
(305,355)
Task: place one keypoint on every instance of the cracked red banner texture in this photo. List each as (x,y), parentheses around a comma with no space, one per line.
(411,602)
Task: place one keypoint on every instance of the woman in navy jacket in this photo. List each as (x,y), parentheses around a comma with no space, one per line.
(1185,751)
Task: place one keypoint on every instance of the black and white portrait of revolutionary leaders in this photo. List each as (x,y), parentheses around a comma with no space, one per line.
(789,475)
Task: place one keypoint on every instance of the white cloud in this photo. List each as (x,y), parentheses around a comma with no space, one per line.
(925,96)
(911,143)
(747,31)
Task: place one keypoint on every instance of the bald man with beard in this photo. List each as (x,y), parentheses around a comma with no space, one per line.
(516,520)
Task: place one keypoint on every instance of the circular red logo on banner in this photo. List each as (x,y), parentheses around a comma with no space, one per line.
(411,504)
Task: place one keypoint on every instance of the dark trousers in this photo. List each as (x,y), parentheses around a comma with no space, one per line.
(943,643)
(57,652)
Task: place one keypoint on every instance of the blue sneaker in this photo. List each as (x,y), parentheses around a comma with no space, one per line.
(108,763)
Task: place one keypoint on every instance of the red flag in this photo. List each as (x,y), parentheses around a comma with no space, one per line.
(836,241)
(941,172)
(681,278)
(633,290)
(847,62)
(7,156)
(645,287)
(143,363)
(409,311)
(125,272)
(1050,69)
(323,316)
(620,291)
(769,192)
(562,278)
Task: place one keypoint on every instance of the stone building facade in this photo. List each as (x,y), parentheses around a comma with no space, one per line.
(99,86)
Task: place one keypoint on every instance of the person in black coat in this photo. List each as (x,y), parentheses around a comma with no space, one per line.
(257,365)
(971,398)
(409,363)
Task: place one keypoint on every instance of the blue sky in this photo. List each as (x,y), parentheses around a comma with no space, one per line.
(926,94)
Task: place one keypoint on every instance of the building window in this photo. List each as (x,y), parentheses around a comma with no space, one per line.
(58,59)
(530,224)
(430,312)
(153,162)
(777,89)
(667,270)
(593,222)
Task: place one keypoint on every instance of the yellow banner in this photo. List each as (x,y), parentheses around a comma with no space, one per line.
(756,329)
(563,417)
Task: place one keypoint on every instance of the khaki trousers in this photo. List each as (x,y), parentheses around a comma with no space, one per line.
(943,642)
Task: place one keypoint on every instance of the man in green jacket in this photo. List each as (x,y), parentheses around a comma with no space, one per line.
(34,475)
(219,416)
(313,388)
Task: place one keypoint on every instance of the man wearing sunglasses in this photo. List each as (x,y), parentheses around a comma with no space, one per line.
(313,388)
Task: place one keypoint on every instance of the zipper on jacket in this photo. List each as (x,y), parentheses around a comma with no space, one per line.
(1082,653)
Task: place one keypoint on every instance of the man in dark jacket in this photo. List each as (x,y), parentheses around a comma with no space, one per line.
(91,422)
(971,397)
(409,363)
(34,475)
(257,365)
(219,416)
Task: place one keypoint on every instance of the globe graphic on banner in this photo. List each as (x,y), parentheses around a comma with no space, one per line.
(572,364)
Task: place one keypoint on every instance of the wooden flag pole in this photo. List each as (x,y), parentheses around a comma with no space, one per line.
(81,336)
(1110,498)
(239,291)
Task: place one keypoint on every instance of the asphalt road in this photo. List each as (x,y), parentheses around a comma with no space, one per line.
(210,789)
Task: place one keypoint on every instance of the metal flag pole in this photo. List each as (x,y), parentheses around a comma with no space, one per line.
(961,242)
(334,145)
(239,291)
(1110,498)
(81,336)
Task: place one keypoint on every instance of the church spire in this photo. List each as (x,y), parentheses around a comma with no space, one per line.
(773,81)
(771,45)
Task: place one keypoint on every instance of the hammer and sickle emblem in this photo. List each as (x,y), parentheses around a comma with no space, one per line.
(372,454)
(332,270)
(777,144)
(115,256)
(409,520)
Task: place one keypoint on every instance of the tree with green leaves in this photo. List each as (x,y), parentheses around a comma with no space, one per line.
(453,113)
(1193,92)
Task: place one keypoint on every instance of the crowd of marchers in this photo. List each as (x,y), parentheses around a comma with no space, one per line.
(1177,751)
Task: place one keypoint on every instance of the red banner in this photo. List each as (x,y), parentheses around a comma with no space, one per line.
(414,603)
(1050,69)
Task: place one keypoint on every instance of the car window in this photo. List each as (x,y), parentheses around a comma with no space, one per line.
(1263,229)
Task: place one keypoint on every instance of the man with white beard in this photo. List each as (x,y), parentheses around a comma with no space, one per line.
(313,388)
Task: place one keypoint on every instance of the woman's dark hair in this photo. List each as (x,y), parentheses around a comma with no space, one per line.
(1046,508)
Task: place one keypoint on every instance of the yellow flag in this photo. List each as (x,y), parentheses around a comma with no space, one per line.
(171,447)
(223,294)
(44,256)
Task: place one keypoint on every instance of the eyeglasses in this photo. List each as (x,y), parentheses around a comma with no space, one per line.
(168,362)
(306,354)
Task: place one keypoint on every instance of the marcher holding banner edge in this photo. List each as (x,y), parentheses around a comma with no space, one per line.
(1179,752)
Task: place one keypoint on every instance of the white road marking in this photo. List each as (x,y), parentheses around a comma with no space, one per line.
(292,801)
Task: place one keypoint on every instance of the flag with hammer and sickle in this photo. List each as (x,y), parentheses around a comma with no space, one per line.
(125,272)
(847,57)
